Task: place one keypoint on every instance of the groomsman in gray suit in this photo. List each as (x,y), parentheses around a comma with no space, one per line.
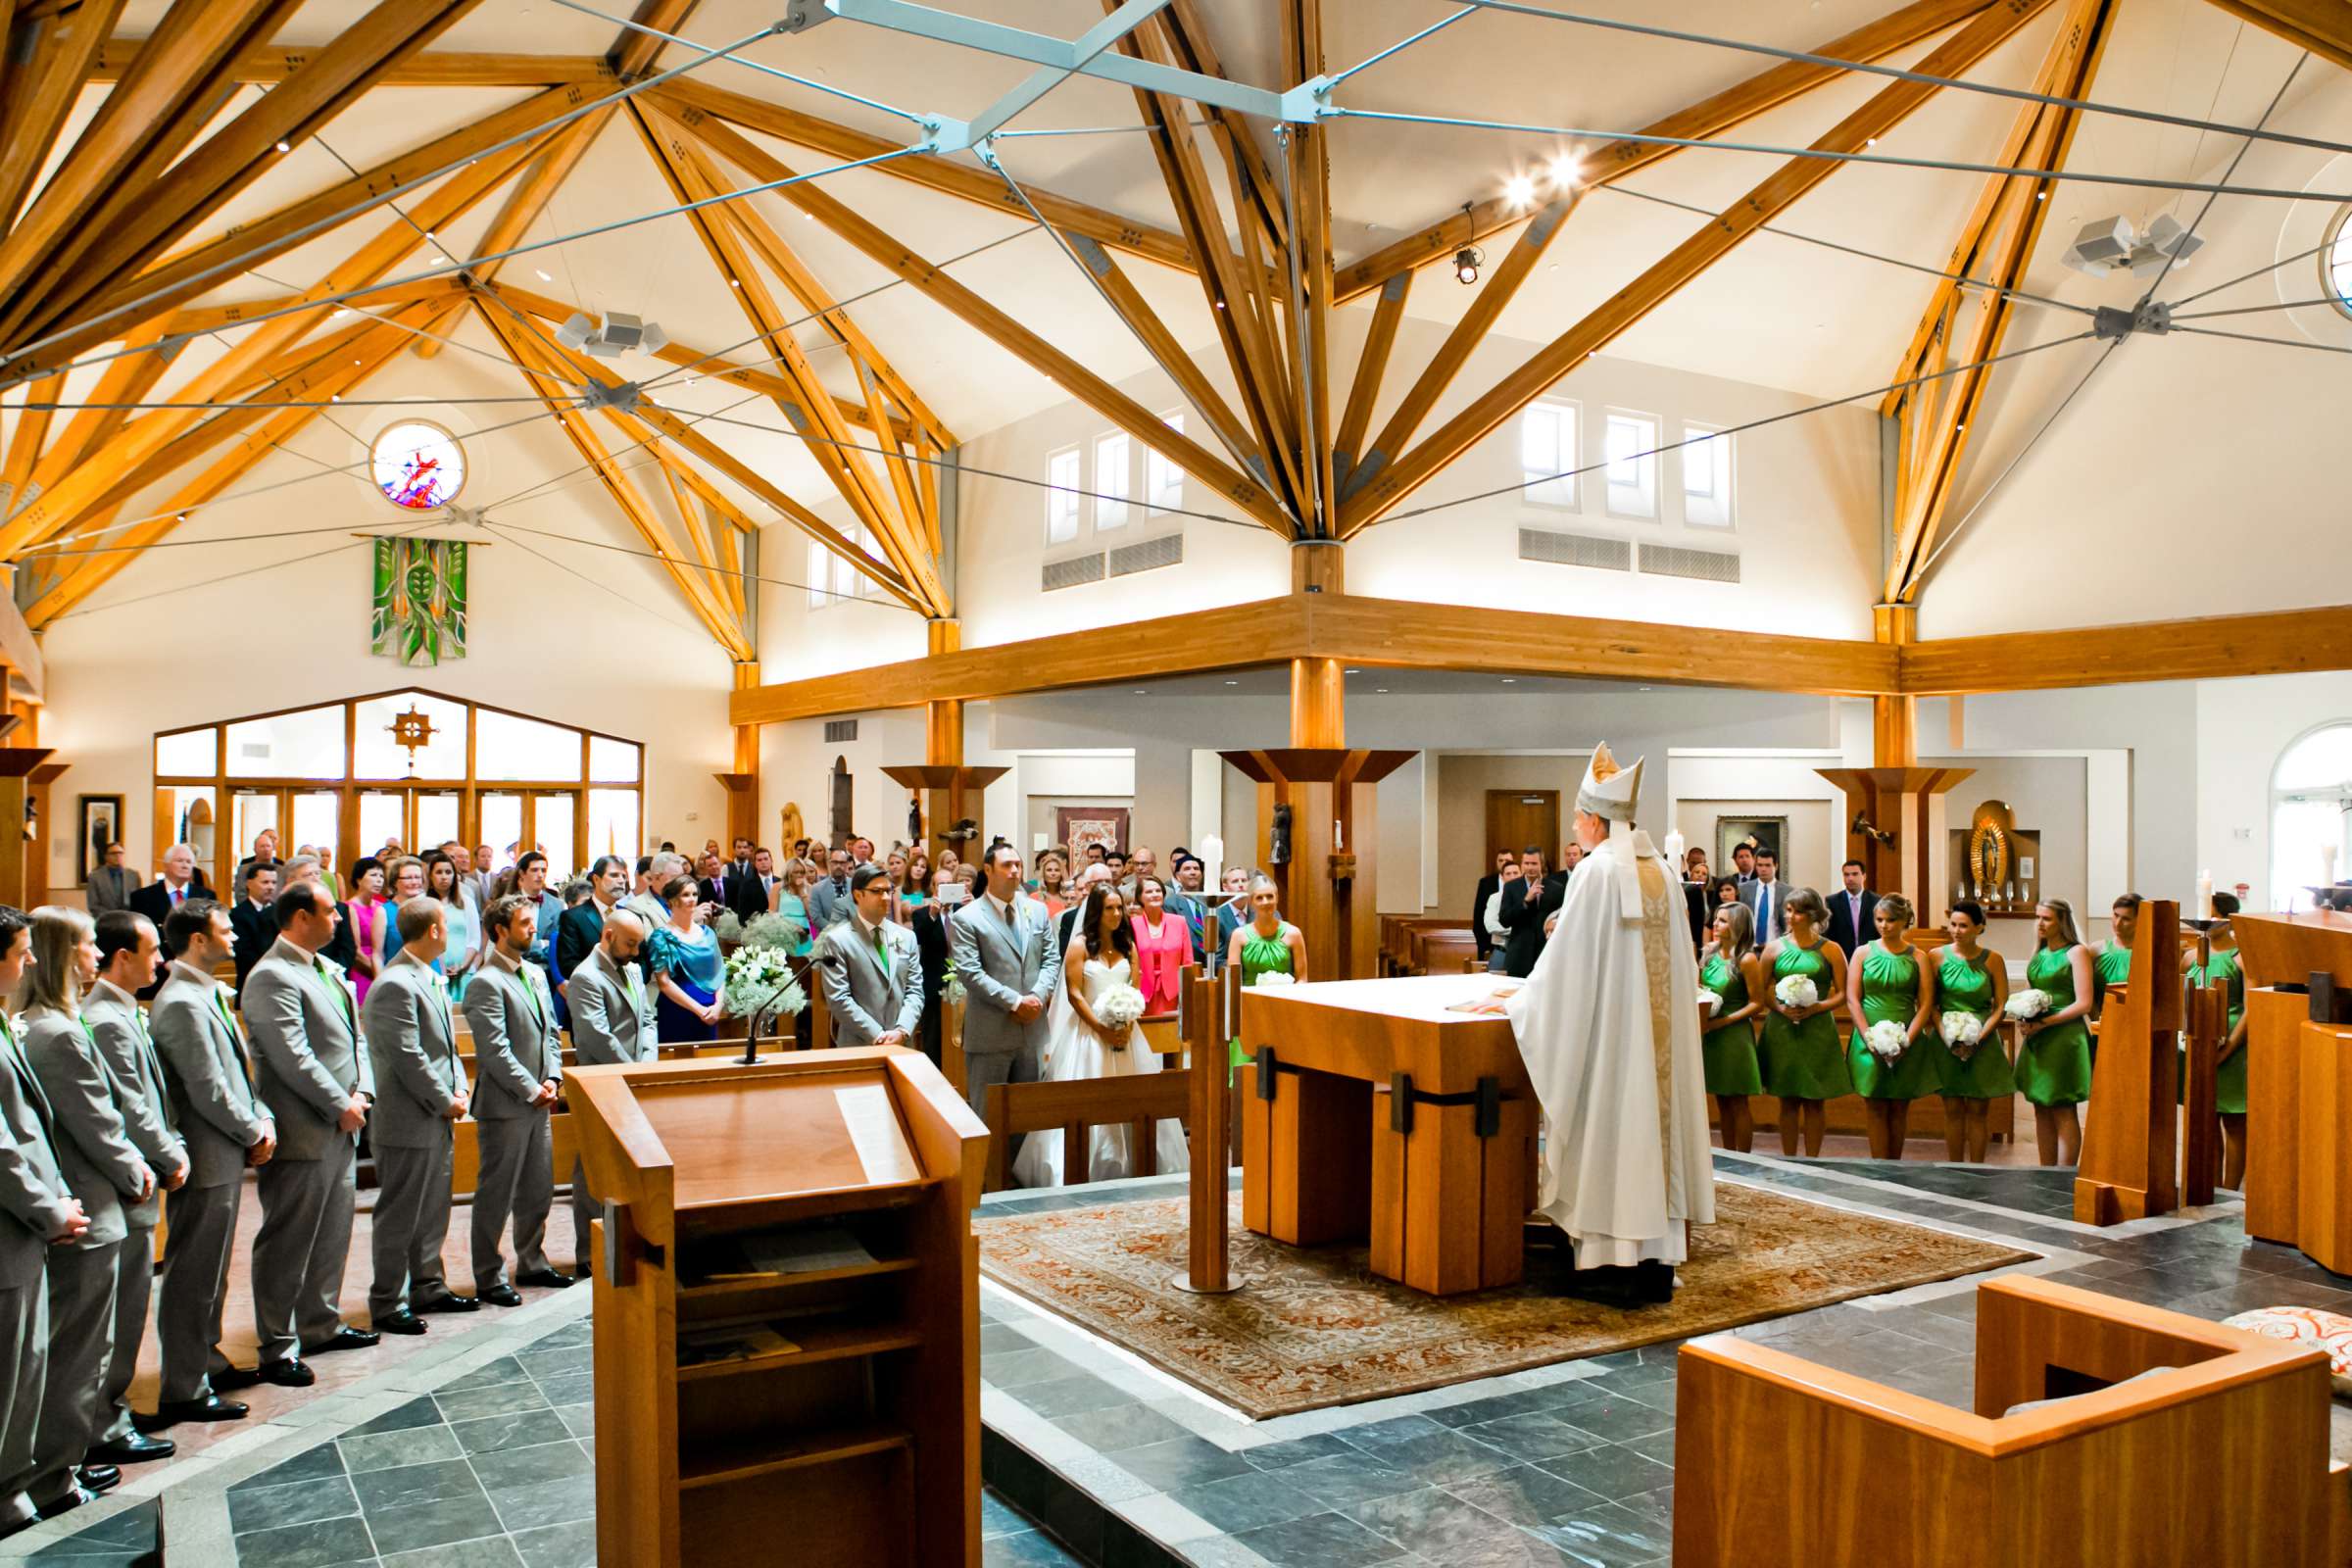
(519,1064)
(872,975)
(1009,964)
(36,1213)
(105,1173)
(127,950)
(413,1038)
(226,1129)
(315,1078)
(611,1022)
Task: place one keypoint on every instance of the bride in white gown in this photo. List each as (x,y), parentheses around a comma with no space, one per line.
(1076,1046)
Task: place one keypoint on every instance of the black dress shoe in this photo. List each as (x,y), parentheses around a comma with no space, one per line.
(287,1374)
(171,1413)
(136,1448)
(499,1296)
(399,1323)
(546,1279)
(67,1503)
(451,1302)
(345,1338)
(97,1478)
(230,1379)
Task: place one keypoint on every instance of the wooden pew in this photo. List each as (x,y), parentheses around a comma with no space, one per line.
(1077,1105)
(2220,1460)
(1402,936)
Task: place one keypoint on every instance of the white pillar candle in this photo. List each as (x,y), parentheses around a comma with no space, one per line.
(1674,851)
(2204,895)
(2327,864)
(1212,857)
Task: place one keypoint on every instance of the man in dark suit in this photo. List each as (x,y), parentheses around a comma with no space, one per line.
(1853,911)
(583,925)
(745,885)
(1524,913)
(708,884)
(181,881)
(254,920)
(1767,897)
(1478,906)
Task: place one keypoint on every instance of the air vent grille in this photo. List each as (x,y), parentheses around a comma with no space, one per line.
(837,730)
(1143,555)
(1676,560)
(1576,550)
(1071,572)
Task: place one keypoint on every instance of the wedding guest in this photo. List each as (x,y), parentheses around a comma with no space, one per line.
(918,878)
(1053,882)
(685,964)
(2220,968)
(1888,982)
(1730,970)
(894,868)
(256,927)
(1268,943)
(1743,863)
(1851,909)
(406,874)
(265,852)
(582,927)
(869,968)
(1488,919)
(1183,899)
(1727,891)
(1116,859)
(744,885)
(829,898)
(1526,905)
(710,880)
(530,883)
(1481,935)
(341,947)
(1698,896)
(2053,1051)
(110,883)
(462,922)
(928,920)
(180,881)
(1233,913)
(1800,1056)
(367,919)
(1767,898)
(1973,980)
(1164,946)
(483,869)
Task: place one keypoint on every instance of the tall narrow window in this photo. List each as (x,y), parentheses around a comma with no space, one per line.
(1163,481)
(1547,454)
(820,575)
(1114,479)
(1707,455)
(1061,500)
(1633,470)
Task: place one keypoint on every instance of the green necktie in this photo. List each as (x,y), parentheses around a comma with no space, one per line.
(221,1005)
(342,998)
(882,952)
(530,989)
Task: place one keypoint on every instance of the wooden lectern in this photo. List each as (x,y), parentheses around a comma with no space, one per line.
(2131,1133)
(787,1311)
(2299,1081)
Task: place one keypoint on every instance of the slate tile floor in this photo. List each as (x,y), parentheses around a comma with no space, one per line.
(1565,1465)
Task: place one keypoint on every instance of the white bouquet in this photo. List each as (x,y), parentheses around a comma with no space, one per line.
(1276,977)
(1797,991)
(1707,1001)
(728,926)
(759,983)
(1886,1039)
(2028,1003)
(774,930)
(1962,1031)
(1117,1009)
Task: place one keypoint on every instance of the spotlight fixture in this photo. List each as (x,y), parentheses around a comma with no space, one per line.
(614,335)
(1567,170)
(1469,258)
(2111,242)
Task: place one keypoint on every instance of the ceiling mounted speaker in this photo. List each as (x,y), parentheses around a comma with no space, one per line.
(575,330)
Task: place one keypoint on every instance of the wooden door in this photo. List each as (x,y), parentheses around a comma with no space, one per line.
(1516,819)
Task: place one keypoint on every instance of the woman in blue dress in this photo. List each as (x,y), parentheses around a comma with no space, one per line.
(685,964)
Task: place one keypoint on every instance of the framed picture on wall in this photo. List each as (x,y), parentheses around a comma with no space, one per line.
(1077,826)
(99,819)
(1756,832)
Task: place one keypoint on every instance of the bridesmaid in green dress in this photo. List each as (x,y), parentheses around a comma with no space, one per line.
(2053,1050)
(1268,943)
(2113,966)
(1801,1060)
(1971,979)
(1731,969)
(2222,968)
(1891,983)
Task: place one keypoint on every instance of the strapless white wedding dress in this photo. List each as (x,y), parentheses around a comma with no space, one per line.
(1073,1050)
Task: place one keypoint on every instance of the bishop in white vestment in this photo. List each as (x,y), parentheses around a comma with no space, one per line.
(1608,1026)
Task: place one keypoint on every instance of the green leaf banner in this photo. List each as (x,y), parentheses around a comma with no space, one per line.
(419,601)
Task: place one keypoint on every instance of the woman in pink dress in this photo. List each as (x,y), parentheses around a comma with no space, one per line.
(1163,945)
(367,918)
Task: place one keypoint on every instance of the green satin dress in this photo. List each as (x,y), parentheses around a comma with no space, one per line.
(1965,987)
(2229,1078)
(2112,967)
(2053,1068)
(1262,956)
(1891,994)
(1804,1061)
(1729,1048)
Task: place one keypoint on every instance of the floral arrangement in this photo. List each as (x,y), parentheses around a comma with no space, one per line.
(758,985)
(1886,1039)
(1276,977)
(2028,1003)
(1707,1000)
(728,926)
(776,930)
(1961,1031)
(1797,991)
(952,990)
(1118,1008)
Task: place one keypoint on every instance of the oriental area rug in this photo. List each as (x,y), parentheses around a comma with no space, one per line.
(1316,1328)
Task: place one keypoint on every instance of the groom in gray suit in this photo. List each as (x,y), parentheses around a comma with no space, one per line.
(521,1072)
(871,972)
(421,1086)
(1006,956)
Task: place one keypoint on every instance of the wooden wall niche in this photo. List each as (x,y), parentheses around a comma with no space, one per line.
(1997,862)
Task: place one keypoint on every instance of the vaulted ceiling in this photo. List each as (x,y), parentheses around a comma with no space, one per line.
(230,219)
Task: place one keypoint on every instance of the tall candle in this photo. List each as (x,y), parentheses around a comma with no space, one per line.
(1674,851)
(1212,855)
(2204,895)
(2327,864)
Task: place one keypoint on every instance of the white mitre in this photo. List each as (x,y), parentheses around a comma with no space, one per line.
(1608,792)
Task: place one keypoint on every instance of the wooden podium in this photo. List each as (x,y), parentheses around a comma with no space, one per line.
(2299,1082)
(787,1311)
(2131,1137)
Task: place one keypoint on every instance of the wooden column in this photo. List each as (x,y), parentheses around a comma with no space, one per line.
(949,791)
(742,784)
(1894,809)
(24,880)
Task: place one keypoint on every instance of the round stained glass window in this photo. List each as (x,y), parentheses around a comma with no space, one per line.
(2335,262)
(417,466)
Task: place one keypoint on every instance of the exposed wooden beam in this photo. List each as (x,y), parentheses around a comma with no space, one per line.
(43,89)
(127,379)
(135,226)
(1348,447)
(1308,154)
(366,265)
(1710,117)
(1252,175)
(1238,488)
(633,53)
(86,575)
(267,67)
(1995,247)
(960,180)
(1885,110)
(2207,648)
(25,444)
(522,209)
(2322,26)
